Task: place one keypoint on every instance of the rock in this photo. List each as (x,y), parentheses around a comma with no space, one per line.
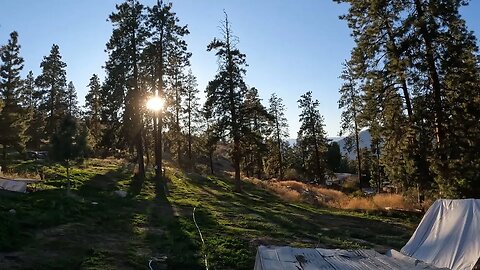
(12,211)
(121,193)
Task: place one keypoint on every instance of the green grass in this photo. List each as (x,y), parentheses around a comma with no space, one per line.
(92,228)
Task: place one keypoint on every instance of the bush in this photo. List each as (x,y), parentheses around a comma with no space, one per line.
(292,174)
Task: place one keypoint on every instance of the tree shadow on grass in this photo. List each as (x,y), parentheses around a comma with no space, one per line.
(97,229)
(255,208)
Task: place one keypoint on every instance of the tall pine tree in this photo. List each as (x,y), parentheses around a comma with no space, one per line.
(312,138)
(93,106)
(350,102)
(279,133)
(124,48)
(226,92)
(12,120)
(52,82)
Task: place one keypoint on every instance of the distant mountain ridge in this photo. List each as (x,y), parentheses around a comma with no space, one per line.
(365,142)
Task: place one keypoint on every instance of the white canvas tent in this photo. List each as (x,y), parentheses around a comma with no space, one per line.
(448,237)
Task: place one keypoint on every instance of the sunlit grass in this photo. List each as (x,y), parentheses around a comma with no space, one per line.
(93,228)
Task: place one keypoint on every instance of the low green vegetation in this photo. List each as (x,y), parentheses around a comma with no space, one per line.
(91,227)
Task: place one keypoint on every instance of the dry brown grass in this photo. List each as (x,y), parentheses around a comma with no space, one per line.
(359,203)
(276,187)
(389,200)
(298,191)
(16,175)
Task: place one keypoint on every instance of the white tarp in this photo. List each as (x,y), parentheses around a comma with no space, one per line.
(288,258)
(11,185)
(448,235)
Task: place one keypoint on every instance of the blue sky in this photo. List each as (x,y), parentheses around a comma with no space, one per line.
(291,46)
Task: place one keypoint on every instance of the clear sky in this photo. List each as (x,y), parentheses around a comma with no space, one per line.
(291,46)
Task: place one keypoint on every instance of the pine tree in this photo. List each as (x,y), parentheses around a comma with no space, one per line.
(52,82)
(12,121)
(333,157)
(176,80)
(124,48)
(350,102)
(165,44)
(225,93)
(312,137)
(27,94)
(422,48)
(255,130)
(68,143)
(32,99)
(192,114)
(93,111)
(447,53)
(72,102)
(279,128)
(210,137)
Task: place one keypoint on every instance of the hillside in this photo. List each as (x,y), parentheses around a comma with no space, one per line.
(365,142)
(93,228)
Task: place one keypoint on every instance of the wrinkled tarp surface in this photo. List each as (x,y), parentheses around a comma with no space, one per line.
(11,185)
(448,235)
(288,258)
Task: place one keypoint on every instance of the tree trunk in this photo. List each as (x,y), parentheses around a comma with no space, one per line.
(279,145)
(236,164)
(136,96)
(432,72)
(211,162)
(400,73)
(177,123)
(68,176)
(317,155)
(190,159)
(147,152)
(359,159)
(158,162)
(437,89)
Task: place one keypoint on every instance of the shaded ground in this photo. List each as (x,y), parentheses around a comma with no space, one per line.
(93,228)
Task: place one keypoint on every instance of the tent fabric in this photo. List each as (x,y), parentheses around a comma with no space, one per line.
(11,185)
(288,258)
(448,235)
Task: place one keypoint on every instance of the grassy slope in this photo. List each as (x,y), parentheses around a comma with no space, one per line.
(51,230)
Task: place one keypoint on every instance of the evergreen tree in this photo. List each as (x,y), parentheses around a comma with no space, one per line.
(176,84)
(72,102)
(333,157)
(225,93)
(124,49)
(447,52)
(68,143)
(93,107)
(350,102)
(312,138)
(279,128)
(12,121)
(255,128)
(192,114)
(211,137)
(165,44)
(422,48)
(32,98)
(52,82)
(27,94)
